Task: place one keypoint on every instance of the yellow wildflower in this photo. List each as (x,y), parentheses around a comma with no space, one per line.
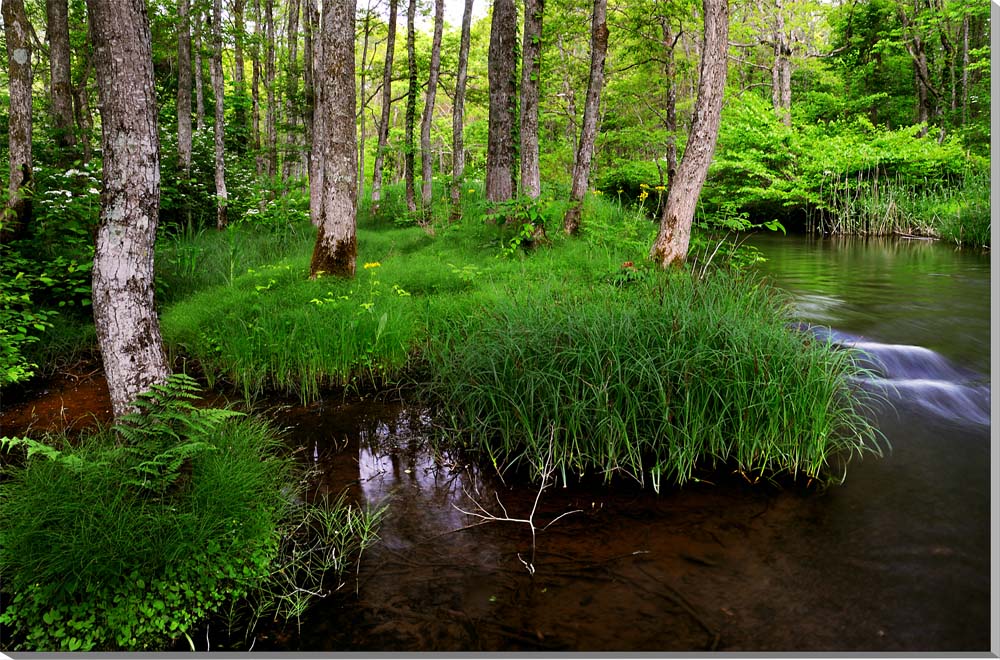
(372,264)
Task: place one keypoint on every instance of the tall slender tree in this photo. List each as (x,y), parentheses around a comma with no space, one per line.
(291,88)
(128,330)
(184,147)
(458,111)
(271,114)
(239,70)
(531,66)
(411,104)
(81,105)
(61,89)
(310,23)
(218,89)
(256,75)
(199,70)
(500,132)
(17,32)
(426,157)
(336,242)
(367,25)
(674,236)
(383,125)
(588,132)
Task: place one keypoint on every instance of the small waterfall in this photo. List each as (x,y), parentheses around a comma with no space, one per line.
(917,376)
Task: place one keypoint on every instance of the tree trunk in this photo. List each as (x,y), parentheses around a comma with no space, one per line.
(500,140)
(367,29)
(781,68)
(184,88)
(965,69)
(239,72)
(57,13)
(291,88)
(336,243)
(568,93)
(426,157)
(531,66)
(219,90)
(383,126)
(255,93)
(670,71)
(271,117)
(411,105)
(128,330)
(672,241)
(309,24)
(458,111)
(81,108)
(320,136)
(17,32)
(199,81)
(588,133)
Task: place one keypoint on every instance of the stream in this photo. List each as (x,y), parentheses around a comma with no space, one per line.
(895,559)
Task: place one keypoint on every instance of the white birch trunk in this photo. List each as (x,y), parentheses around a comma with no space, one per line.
(336,242)
(128,330)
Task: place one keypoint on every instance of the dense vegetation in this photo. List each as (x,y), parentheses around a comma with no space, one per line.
(539,352)
(133,536)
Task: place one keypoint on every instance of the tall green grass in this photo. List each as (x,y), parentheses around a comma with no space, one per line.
(271,328)
(655,382)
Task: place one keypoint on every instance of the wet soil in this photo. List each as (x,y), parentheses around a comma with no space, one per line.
(66,403)
(895,559)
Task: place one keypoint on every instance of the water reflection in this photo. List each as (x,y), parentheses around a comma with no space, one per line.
(895,559)
(921,293)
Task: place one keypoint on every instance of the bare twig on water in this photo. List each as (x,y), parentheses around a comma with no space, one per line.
(485,516)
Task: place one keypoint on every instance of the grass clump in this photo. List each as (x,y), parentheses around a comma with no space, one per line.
(136,534)
(654,380)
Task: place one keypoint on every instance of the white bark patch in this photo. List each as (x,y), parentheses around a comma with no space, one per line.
(20,56)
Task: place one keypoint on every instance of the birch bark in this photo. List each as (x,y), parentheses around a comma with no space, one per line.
(128,330)
(336,217)
(17,32)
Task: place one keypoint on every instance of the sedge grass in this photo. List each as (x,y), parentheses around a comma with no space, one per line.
(654,383)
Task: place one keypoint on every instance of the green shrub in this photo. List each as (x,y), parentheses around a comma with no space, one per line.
(656,380)
(133,536)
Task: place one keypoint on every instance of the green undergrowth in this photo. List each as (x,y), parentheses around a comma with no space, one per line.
(271,328)
(130,537)
(524,343)
(655,380)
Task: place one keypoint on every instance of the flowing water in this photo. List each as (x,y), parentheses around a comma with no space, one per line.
(895,559)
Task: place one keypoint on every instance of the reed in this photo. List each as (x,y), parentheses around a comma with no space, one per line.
(873,204)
